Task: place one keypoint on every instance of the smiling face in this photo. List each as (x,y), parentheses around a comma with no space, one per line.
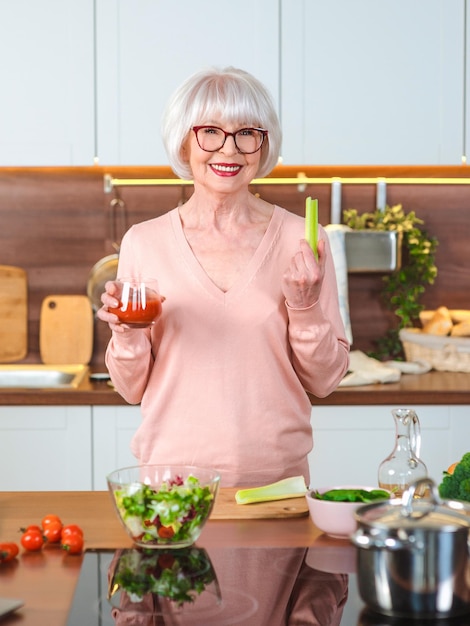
(226,170)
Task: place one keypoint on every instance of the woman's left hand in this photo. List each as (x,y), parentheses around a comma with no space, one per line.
(302,281)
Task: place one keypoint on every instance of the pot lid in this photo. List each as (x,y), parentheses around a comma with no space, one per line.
(430,513)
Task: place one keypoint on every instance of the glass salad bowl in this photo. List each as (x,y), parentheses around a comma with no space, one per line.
(163,506)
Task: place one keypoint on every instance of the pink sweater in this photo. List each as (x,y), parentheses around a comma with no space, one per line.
(221,377)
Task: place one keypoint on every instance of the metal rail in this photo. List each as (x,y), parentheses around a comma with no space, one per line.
(110,182)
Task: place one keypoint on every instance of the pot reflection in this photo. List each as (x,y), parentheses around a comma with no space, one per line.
(253,587)
(369,618)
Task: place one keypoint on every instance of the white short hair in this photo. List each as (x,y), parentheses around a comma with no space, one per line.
(230,95)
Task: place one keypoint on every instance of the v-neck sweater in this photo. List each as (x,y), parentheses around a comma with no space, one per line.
(222,376)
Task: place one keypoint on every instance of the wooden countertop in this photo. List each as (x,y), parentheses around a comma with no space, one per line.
(46,580)
(412,389)
(430,388)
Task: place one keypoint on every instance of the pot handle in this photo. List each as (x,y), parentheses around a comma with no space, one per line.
(423,485)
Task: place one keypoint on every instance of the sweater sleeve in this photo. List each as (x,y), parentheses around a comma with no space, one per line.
(129,360)
(320,349)
(130,355)
(320,356)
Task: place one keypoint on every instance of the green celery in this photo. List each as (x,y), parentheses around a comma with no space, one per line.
(293,487)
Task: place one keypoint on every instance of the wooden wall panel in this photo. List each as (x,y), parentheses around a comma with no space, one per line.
(55,222)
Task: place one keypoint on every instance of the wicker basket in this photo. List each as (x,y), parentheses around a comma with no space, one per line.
(445,354)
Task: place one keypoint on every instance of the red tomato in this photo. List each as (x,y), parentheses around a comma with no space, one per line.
(73,544)
(166,561)
(50,519)
(166,532)
(8,551)
(34,527)
(32,540)
(53,532)
(71,529)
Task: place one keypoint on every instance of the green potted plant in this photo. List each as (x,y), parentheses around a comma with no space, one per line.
(403,287)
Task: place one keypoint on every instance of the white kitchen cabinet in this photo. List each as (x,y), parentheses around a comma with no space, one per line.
(369,82)
(45,448)
(350,442)
(47,103)
(113,429)
(466,146)
(146,48)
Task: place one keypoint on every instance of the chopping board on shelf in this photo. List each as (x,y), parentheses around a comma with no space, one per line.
(13,313)
(66,330)
(226,507)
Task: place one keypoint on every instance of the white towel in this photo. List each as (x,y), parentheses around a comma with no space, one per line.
(364,370)
(336,237)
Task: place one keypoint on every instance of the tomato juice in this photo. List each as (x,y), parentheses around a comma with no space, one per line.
(138,314)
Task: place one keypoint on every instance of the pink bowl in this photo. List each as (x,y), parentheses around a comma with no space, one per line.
(334,518)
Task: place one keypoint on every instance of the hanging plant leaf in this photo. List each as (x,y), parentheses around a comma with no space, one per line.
(403,288)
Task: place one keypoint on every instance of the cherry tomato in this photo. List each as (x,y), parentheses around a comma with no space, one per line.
(53,532)
(71,529)
(73,543)
(50,519)
(32,540)
(34,527)
(166,561)
(166,532)
(8,551)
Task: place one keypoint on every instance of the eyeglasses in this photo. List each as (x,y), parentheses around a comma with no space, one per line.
(247,140)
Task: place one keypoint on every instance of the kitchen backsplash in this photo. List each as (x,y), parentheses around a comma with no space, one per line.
(56,224)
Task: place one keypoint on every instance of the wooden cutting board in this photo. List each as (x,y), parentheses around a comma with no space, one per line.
(225,507)
(66,330)
(13,314)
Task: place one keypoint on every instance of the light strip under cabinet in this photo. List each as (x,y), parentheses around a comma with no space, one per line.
(110,182)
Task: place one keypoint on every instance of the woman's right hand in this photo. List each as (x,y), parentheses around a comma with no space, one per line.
(110,299)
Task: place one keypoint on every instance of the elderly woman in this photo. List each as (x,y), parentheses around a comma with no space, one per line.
(250,320)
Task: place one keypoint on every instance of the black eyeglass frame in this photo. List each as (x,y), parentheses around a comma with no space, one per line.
(263,131)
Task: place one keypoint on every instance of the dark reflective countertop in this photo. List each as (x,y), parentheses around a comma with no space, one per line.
(249,586)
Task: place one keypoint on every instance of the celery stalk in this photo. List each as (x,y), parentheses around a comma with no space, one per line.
(311,224)
(287,488)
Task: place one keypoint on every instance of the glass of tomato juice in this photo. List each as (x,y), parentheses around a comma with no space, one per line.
(140,303)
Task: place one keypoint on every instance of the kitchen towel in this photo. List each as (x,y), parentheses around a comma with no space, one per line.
(364,370)
(336,236)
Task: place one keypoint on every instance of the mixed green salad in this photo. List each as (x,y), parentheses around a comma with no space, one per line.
(173,514)
(179,575)
(352,495)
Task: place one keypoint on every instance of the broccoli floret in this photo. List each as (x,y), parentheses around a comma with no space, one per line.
(456,486)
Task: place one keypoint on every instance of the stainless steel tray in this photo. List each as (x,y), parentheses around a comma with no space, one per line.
(373,251)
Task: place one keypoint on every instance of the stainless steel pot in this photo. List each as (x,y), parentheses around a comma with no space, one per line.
(413,555)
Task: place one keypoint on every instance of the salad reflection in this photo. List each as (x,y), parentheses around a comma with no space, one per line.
(249,586)
(141,582)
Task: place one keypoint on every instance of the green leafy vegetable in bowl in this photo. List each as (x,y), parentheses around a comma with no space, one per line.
(352,495)
(171,514)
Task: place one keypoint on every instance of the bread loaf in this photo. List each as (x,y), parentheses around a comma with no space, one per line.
(456,315)
(440,323)
(459,315)
(462,329)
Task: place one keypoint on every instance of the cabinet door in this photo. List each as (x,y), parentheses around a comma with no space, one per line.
(113,429)
(47,103)
(466,147)
(145,49)
(373,82)
(45,448)
(350,442)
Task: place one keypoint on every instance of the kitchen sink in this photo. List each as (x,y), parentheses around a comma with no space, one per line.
(42,376)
